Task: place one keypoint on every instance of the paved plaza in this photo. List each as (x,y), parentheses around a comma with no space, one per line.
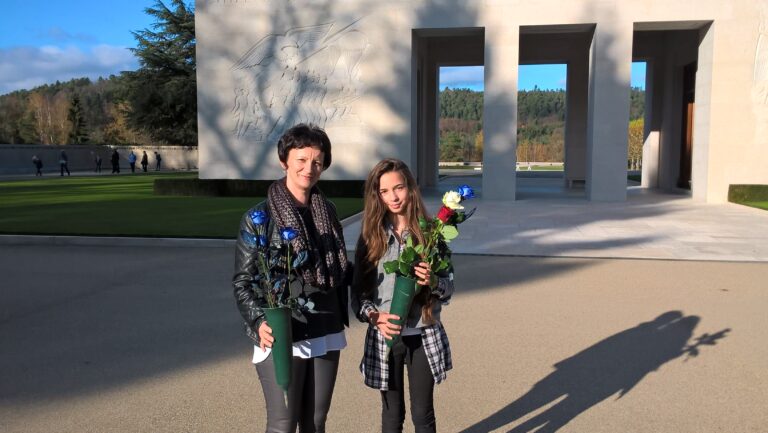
(549,220)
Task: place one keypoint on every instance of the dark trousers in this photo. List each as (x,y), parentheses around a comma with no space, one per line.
(63,168)
(309,394)
(408,352)
(133,167)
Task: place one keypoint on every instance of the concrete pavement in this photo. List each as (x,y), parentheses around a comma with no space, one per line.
(143,338)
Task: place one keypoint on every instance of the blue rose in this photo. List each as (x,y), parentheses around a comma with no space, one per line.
(259,217)
(288,234)
(465,191)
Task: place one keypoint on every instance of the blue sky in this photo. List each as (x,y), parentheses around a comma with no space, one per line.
(543,76)
(42,41)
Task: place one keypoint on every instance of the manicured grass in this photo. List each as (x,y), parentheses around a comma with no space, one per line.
(123,205)
(758,204)
(754,195)
(548,167)
(540,168)
(635,177)
(460,167)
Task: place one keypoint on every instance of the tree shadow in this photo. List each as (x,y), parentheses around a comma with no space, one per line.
(244,157)
(614,365)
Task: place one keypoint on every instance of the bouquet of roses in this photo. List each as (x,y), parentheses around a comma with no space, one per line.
(438,232)
(276,263)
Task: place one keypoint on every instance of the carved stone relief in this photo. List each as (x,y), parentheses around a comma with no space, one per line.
(307,74)
(760,77)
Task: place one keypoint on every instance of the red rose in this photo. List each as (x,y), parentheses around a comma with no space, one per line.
(445,214)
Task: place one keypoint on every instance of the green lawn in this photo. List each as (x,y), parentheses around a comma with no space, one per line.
(541,168)
(460,167)
(122,206)
(758,204)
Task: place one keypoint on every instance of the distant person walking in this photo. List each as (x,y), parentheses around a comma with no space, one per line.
(115,162)
(144,161)
(158,160)
(38,165)
(97,160)
(132,161)
(64,163)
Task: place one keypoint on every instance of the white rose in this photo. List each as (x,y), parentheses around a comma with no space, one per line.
(452,200)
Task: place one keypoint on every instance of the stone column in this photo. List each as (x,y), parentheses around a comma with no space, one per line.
(429,155)
(654,87)
(577,88)
(701,176)
(609,87)
(500,112)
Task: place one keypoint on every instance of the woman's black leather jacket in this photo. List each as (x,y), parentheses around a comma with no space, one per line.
(250,299)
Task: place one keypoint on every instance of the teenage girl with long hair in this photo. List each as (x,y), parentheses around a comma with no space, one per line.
(393,205)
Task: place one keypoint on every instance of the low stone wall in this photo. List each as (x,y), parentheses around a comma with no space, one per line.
(17,158)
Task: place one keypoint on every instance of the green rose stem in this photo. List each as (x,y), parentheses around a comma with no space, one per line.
(264,272)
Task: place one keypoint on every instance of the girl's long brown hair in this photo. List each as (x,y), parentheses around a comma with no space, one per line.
(372,243)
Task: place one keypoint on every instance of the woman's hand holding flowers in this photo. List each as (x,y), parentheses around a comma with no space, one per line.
(265,336)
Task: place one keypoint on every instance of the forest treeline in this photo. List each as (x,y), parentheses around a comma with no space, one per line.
(156,104)
(540,124)
(47,114)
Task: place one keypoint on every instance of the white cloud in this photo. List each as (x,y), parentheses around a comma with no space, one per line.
(27,67)
(464,76)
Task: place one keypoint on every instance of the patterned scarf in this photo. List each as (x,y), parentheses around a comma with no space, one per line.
(330,256)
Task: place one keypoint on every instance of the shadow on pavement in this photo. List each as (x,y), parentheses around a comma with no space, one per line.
(613,365)
(79,320)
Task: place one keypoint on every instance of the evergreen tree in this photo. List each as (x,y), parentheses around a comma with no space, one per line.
(163,91)
(78,134)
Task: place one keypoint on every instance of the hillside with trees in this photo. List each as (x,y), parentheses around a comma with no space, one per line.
(540,127)
(156,104)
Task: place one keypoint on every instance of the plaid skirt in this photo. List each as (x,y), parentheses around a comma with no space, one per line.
(375,367)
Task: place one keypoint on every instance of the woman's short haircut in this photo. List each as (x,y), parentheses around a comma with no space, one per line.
(304,135)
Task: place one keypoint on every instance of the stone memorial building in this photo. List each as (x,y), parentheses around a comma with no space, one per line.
(367,71)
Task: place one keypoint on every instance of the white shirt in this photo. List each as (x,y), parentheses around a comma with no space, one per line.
(306,349)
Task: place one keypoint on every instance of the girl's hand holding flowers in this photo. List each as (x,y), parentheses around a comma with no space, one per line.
(382,322)
(434,255)
(423,273)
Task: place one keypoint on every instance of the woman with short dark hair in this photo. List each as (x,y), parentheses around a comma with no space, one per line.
(295,201)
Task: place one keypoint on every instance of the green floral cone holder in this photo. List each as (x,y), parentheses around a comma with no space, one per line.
(279,319)
(405,291)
